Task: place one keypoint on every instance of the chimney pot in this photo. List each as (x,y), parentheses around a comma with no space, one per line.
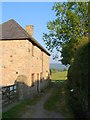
(30,29)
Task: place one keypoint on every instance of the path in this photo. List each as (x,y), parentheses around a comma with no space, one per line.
(38,111)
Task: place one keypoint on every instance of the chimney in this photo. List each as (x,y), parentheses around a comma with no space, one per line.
(30,30)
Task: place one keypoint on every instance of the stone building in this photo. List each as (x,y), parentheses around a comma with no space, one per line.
(24,60)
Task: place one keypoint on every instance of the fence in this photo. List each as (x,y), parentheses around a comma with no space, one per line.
(9,94)
(18,91)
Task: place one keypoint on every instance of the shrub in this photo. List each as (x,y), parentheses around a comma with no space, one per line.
(78,80)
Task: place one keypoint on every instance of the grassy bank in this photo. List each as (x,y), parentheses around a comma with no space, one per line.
(58,101)
(59,75)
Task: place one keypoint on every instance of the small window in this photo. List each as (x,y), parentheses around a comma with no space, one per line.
(32,79)
(16,72)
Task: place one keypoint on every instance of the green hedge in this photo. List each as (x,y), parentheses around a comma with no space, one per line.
(78,80)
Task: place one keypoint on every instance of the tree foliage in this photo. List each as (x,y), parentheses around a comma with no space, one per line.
(69,26)
(53,70)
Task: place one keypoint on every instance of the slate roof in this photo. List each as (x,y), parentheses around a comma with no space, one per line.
(11,30)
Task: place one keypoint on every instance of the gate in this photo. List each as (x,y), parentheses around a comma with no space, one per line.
(9,94)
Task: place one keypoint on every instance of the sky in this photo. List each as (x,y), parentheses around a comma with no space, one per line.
(30,13)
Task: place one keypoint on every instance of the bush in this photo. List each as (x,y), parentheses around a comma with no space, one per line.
(53,70)
(78,80)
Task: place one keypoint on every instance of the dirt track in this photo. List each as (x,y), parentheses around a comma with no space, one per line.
(38,111)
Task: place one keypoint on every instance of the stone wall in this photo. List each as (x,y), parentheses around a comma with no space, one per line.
(14,60)
(46,66)
(21,59)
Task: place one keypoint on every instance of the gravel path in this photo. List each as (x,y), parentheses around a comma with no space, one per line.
(38,111)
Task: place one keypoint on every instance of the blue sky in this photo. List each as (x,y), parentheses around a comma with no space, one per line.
(30,13)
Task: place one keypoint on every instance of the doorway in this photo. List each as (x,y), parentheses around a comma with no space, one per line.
(38,82)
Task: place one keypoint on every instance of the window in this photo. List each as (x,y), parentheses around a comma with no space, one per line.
(32,79)
(32,50)
(16,72)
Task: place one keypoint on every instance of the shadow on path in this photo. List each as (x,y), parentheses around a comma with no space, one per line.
(38,111)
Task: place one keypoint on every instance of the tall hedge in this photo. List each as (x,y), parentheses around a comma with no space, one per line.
(78,80)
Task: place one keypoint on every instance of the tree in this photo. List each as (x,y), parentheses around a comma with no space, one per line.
(53,70)
(78,80)
(68,28)
(65,69)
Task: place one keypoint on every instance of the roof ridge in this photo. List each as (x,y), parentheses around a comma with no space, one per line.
(20,27)
(8,21)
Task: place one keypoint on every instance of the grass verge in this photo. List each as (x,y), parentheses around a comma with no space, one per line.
(59,75)
(58,101)
(19,109)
